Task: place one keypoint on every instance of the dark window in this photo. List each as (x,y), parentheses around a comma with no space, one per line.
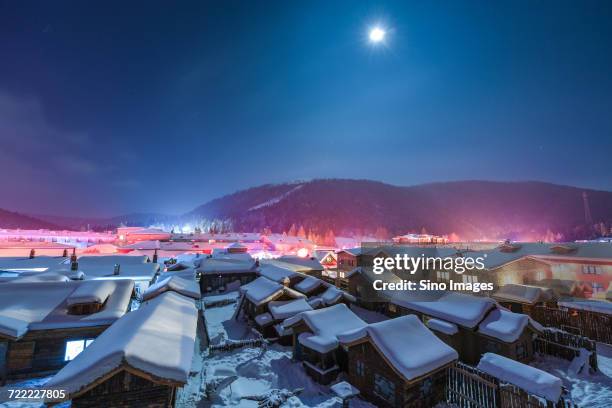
(359,368)
(384,388)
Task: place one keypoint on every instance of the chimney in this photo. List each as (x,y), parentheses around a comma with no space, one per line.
(117,269)
(65,253)
(32,253)
(155,256)
(74,265)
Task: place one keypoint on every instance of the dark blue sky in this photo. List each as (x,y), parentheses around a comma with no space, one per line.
(130,106)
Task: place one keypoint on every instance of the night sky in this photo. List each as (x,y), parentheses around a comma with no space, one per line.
(131,107)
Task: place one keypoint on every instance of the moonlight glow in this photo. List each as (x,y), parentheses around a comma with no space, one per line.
(377,35)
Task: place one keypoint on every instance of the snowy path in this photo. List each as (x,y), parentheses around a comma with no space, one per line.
(587,390)
(256,371)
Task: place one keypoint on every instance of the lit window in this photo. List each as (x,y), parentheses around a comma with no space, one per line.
(470,279)
(74,348)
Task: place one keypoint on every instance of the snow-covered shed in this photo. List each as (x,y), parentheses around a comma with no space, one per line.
(43,325)
(216,273)
(270,323)
(257,295)
(139,361)
(315,339)
(175,283)
(529,379)
(509,334)
(398,362)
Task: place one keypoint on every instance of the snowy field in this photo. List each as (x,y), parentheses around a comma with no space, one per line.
(250,371)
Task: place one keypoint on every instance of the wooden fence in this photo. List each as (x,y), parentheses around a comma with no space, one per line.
(596,326)
(514,397)
(565,345)
(468,387)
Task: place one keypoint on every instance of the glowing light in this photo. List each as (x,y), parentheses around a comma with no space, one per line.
(302,252)
(377,35)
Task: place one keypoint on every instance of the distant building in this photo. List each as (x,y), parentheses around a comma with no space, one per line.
(420,239)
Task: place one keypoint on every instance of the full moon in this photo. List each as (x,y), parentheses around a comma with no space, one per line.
(377,34)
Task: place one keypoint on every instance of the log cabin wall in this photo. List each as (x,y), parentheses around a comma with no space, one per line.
(380,384)
(126,390)
(42,352)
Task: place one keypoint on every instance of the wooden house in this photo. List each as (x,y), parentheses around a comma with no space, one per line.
(305,265)
(398,363)
(217,273)
(141,361)
(44,325)
(473,325)
(256,296)
(315,340)
(522,298)
(269,324)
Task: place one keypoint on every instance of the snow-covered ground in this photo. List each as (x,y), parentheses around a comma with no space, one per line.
(586,389)
(250,371)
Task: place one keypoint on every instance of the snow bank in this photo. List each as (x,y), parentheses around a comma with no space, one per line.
(504,325)
(530,379)
(442,326)
(185,287)
(395,336)
(157,339)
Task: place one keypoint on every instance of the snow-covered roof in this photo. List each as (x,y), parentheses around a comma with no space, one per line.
(297,263)
(504,325)
(344,390)
(103,267)
(264,319)
(308,284)
(523,294)
(442,326)
(530,379)
(464,310)
(36,264)
(157,339)
(263,290)
(282,310)
(44,305)
(326,324)
(275,273)
(230,264)
(176,283)
(599,306)
(96,261)
(394,337)
(91,292)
